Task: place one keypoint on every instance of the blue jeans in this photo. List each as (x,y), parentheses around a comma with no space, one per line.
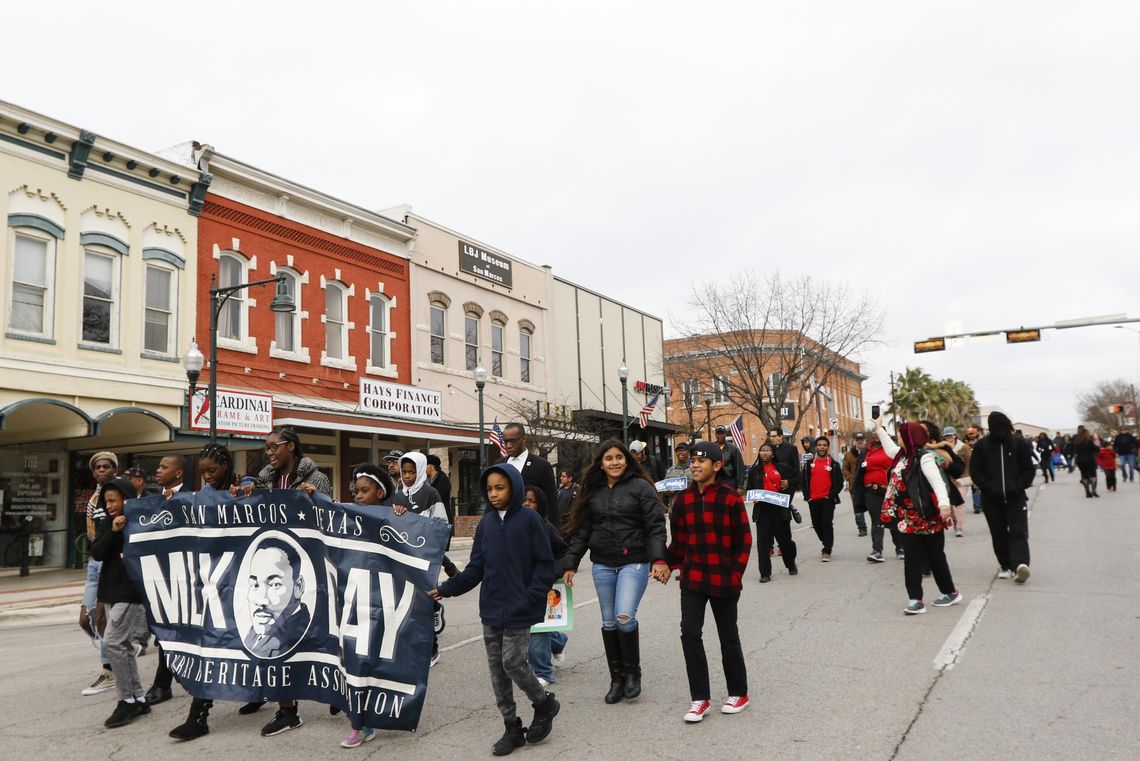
(619,593)
(977,494)
(539,656)
(90,600)
(1127,467)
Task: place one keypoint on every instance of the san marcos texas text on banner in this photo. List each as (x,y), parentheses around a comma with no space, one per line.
(275,596)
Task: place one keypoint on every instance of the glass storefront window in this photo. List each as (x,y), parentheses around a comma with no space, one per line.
(34,493)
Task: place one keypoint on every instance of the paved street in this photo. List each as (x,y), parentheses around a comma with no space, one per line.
(1044,671)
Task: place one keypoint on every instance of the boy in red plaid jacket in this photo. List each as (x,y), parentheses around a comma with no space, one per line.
(711,541)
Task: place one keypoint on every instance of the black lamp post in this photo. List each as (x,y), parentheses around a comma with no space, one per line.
(282,302)
(623,376)
(708,415)
(193,362)
(480,382)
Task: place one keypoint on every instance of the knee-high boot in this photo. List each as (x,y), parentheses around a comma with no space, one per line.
(612,643)
(195,725)
(631,663)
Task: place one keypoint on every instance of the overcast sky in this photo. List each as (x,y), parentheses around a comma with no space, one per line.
(974,162)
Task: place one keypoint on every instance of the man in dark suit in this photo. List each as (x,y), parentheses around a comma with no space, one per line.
(170,475)
(535,471)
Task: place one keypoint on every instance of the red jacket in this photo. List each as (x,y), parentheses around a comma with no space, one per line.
(711,539)
(1106,458)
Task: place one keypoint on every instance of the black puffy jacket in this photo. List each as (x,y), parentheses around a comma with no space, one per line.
(1002,469)
(620,525)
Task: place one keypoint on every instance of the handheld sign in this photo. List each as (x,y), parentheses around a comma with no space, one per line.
(559,610)
(770,497)
(680,483)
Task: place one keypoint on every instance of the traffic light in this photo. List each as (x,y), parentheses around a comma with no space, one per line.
(930,344)
(1022,336)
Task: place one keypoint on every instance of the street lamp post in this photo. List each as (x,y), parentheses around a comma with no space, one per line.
(282,302)
(192,361)
(708,415)
(623,376)
(480,382)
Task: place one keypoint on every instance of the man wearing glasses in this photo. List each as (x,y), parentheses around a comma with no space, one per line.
(535,471)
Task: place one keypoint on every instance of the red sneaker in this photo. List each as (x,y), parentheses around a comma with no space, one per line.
(735,704)
(697,711)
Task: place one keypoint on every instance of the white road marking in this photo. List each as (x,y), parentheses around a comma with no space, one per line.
(479,638)
(955,643)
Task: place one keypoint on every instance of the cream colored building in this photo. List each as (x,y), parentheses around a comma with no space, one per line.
(98,256)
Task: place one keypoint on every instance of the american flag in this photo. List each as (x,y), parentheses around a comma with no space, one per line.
(647,410)
(497,439)
(737,431)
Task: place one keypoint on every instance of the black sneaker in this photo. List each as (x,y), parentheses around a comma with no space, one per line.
(249,708)
(156,695)
(793,571)
(125,713)
(286,719)
(543,722)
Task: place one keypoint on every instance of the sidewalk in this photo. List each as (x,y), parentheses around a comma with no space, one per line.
(46,596)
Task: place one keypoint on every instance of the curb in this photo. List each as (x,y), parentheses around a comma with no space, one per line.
(67,613)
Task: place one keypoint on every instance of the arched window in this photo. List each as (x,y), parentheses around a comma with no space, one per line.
(100,316)
(471,340)
(379,332)
(160,311)
(287,336)
(33,283)
(525,339)
(497,349)
(336,311)
(438,331)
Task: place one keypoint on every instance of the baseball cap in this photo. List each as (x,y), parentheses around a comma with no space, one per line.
(637,446)
(720,429)
(949,431)
(394,454)
(707,449)
(860,435)
(682,445)
(136,471)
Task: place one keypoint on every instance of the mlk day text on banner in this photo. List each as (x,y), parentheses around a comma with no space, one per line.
(279,597)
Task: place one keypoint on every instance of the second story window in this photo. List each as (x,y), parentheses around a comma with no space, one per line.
(720,389)
(100,311)
(379,333)
(159,325)
(496,350)
(231,320)
(691,388)
(525,338)
(33,278)
(471,340)
(336,337)
(438,323)
(288,324)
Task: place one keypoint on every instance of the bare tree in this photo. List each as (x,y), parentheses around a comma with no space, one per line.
(777,337)
(549,425)
(1094,406)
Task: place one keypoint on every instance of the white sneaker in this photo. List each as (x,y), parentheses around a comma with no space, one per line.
(557,659)
(543,682)
(1005,574)
(1022,574)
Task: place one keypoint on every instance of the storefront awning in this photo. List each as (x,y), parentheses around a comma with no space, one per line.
(334,415)
(46,419)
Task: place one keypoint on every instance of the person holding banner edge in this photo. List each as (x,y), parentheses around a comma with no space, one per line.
(511,553)
(773,521)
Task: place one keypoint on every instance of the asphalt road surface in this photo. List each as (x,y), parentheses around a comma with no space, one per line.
(1048,670)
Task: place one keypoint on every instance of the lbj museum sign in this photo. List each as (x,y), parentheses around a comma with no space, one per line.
(399,401)
(475,261)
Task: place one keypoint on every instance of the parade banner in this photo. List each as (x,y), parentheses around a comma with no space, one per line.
(278,597)
(770,497)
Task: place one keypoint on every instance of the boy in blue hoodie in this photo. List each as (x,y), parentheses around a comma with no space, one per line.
(511,555)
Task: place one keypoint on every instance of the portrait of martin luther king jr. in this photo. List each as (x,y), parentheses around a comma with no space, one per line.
(279,617)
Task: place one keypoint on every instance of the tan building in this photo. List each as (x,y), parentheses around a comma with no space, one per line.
(704,385)
(98,305)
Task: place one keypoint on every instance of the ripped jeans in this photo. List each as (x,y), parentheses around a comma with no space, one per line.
(619,591)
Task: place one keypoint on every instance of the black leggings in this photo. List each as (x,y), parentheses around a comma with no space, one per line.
(922,551)
(772,523)
(823,521)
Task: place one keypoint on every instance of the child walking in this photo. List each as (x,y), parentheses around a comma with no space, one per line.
(711,543)
(1106,459)
(512,554)
(125,611)
(542,644)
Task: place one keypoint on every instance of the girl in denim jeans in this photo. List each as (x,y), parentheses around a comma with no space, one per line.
(619,518)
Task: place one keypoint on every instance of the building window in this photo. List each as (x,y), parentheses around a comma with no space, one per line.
(496,350)
(335,334)
(33,275)
(99,291)
(525,338)
(774,381)
(158,320)
(438,321)
(231,319)
(379,333)
(471,340)
(720,389)
(691,388)
(288,324)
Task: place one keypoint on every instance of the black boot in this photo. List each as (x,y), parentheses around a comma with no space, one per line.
(612,643)
(195,725)
(631,663)
(513,738)
(543,721)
